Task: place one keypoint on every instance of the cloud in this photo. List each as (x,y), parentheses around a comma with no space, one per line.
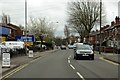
(54,10)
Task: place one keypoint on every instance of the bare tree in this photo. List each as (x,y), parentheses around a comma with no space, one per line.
(38,26)
(84,15)
(66,31)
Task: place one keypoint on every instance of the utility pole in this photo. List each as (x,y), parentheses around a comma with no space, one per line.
(26,25)
(100,25)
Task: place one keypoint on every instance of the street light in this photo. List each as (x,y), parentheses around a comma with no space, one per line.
(26,25)
(100,25)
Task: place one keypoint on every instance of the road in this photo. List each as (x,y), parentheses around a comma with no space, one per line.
(61,64)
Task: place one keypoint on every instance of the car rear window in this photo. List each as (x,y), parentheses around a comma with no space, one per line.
(83,47)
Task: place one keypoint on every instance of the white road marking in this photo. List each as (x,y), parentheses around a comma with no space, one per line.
(68,58)
(72,66)
(80,76)
(68,61)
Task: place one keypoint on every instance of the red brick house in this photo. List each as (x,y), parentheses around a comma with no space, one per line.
(9,30)
(110,36)
(17,31)
(13,30)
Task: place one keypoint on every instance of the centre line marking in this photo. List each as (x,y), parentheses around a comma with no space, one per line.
(80,76)
(68,61)
(72,66)
(68,58)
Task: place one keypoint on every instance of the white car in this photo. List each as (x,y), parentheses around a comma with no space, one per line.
(15,44)
(3,48)
(63,47)
(83,52)
(70,46)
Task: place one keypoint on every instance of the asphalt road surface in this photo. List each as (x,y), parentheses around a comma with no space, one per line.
(61,64)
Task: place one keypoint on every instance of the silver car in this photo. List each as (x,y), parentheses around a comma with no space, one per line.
(83,52)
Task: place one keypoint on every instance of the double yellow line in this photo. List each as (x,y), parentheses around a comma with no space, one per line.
(14,71)
(17,69)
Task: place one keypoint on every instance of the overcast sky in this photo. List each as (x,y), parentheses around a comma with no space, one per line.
(53,10)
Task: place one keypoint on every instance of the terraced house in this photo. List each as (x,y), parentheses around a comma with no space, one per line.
(110,37)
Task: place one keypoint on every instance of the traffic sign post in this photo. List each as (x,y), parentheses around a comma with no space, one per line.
(6,60)
(41,38)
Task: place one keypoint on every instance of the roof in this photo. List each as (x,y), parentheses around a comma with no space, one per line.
(7,26)
(14,26)
(93,33)
(112,27)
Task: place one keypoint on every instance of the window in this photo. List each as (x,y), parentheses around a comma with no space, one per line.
(118,30)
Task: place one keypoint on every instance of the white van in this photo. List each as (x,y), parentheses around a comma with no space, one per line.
(3,48)
(14,44)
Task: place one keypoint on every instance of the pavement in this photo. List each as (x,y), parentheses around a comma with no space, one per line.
(111,56)
(20,60)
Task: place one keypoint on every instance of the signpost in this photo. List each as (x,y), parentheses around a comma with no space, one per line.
(28,40)
(41,38)
(6,60)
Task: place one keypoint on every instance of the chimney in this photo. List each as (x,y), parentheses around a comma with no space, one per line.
(112,23)
(107,25)
(97,30)
(117,20)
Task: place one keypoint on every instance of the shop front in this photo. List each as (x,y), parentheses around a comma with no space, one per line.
(4,33)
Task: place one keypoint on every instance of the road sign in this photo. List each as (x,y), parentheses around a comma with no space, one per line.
(31,53)
(6,60)
(28,38)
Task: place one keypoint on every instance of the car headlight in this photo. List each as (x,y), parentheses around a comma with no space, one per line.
(91,52)
(78,52)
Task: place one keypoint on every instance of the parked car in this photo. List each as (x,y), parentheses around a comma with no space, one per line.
(70,46)
(3,48)
(83,51)
(63,47)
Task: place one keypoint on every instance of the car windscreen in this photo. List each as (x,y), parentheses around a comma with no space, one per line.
(83,47)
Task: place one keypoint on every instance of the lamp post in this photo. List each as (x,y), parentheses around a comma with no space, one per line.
(26,25)
(41,39)
(26,17)
(100,25)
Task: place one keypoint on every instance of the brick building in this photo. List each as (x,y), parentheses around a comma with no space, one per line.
(110,36)
(8,31)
